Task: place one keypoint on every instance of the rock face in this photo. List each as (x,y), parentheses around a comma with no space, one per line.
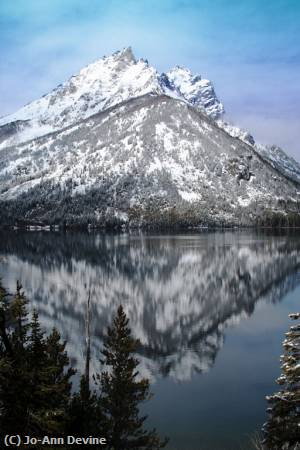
(128,145)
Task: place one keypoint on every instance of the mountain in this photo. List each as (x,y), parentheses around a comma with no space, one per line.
(130,146)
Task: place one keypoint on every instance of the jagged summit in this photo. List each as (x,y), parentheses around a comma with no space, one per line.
(197,91)
(124,56)
(127,54)
(104,83)
(98,86)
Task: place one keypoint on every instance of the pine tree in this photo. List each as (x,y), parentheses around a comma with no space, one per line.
(282,430)
(36,359)
(56,386)
(5,346)
(49,391)
(84,414)
(19,315)
(14,373)
(35,387)
(122,391)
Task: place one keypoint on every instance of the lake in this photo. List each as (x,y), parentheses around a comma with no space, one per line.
(210,310)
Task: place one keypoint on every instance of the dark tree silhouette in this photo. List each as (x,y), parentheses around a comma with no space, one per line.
(122,390)
(35,386)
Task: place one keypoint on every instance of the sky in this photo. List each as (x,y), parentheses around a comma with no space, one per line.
(249,49)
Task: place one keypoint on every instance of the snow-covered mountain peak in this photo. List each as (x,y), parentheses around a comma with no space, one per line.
(119,59)
(104,83)
(197,91)
(98,86)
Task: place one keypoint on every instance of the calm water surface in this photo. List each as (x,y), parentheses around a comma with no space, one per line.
(210,310)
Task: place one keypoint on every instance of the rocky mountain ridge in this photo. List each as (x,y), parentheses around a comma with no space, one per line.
(273,154)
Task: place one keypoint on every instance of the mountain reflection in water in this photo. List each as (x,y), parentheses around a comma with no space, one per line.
(180,291)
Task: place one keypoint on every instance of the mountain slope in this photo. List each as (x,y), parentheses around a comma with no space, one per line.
(147,160)
(272,154)
(280,160)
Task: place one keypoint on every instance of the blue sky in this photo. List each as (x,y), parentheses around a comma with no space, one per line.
(250,49)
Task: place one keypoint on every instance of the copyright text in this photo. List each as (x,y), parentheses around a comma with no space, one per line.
(17,440)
